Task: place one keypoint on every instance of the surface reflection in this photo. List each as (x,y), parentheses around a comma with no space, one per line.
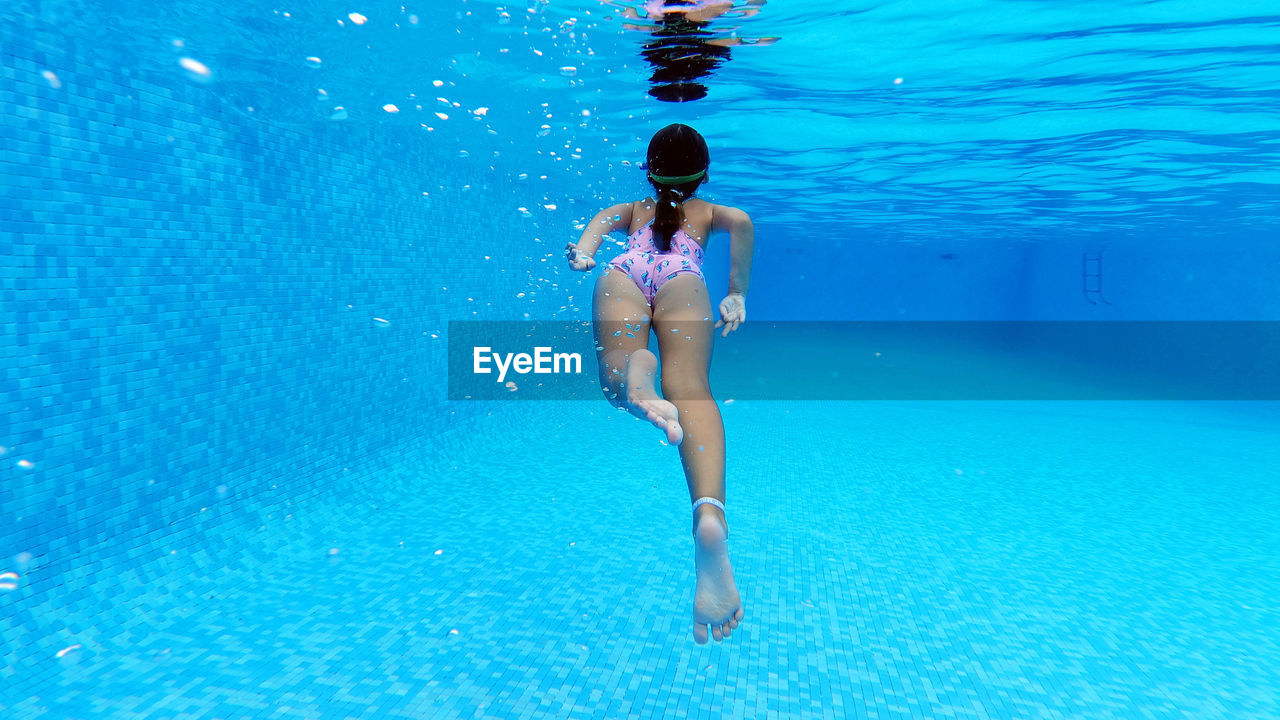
(687,46)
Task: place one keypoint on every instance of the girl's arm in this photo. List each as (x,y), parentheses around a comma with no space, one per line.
(614,217)
(741,245)
(733,309)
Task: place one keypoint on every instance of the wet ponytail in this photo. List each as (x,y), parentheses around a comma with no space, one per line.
(678,161)
(667,216)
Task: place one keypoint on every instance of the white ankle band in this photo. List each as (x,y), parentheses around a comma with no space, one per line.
(710,500)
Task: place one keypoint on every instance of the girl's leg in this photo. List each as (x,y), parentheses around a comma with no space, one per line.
(686,334)
(622,320)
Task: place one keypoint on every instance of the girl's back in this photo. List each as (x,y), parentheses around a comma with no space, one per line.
(700,217)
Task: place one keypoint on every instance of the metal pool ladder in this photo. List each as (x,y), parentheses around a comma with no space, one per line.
(1091,275)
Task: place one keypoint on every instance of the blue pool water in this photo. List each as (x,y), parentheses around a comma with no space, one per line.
(233,483)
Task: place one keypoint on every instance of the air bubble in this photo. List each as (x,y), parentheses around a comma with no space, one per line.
(195,67)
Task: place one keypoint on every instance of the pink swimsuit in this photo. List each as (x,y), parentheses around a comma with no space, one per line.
(651,268)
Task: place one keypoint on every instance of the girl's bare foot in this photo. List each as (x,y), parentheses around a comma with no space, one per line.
(715,597)
(644,400)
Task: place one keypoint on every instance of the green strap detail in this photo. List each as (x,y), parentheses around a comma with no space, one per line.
(676,179)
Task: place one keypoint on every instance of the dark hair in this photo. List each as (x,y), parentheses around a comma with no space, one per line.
(676,150)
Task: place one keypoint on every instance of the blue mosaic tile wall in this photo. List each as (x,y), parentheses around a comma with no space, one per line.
(207,320)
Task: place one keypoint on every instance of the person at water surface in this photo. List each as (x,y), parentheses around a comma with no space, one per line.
(657,284)
(686,49)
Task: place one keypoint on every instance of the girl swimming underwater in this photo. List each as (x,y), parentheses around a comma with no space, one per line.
(657,283)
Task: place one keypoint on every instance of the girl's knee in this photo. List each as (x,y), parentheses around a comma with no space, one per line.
(686,388)
(614,397)
(610,387)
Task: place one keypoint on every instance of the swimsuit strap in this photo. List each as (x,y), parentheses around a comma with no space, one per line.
(694,245)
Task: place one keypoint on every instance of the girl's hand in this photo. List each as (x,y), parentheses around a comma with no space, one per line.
(733,312)
(577,259)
